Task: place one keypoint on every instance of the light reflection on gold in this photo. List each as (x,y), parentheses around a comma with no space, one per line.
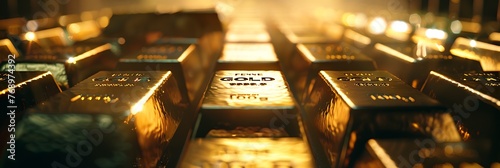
(248,52)
(248,35)
(138,107)
(258,152)
(381,154)
(74,60)
(20,84)
(357,37)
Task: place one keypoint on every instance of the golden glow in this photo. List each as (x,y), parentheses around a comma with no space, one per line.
(248,52)
(381,154)
(137,107)
(377,25)
(456,26)
(248,35)
(103,21)
(10,46)
(5,91)
(415,19)
(482,95)
(394,53)
(73,60)
(398,30)
(32,25)
(473,43)
(400,26)
(435,34)
(30,36)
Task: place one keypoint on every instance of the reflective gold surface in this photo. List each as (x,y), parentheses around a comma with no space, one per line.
(248,152)
(106,108)
(249,52)
(248,89)
(348,107)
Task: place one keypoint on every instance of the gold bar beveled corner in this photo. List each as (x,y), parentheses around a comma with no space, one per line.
(347,108)
(133,113)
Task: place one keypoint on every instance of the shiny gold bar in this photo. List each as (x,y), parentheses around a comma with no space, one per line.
(474,101)
(346,108)
(303,66)
(426,153)
(48,37)
(183,60)
(248,152)
(239,108)
(249,56)
(18,92)
(111,119)
(412,62)
(70,65)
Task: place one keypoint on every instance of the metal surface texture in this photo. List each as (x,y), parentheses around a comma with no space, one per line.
(248,89)
(248,152)
(346,108)
(112,119)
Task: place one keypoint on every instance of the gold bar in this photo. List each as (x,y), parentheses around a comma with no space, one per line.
(302,67)
(183,60)
(247,35)
(249,56)
(474,100)
(248,118)
(412,62)
(483,52)
(108,120)
(347,108)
